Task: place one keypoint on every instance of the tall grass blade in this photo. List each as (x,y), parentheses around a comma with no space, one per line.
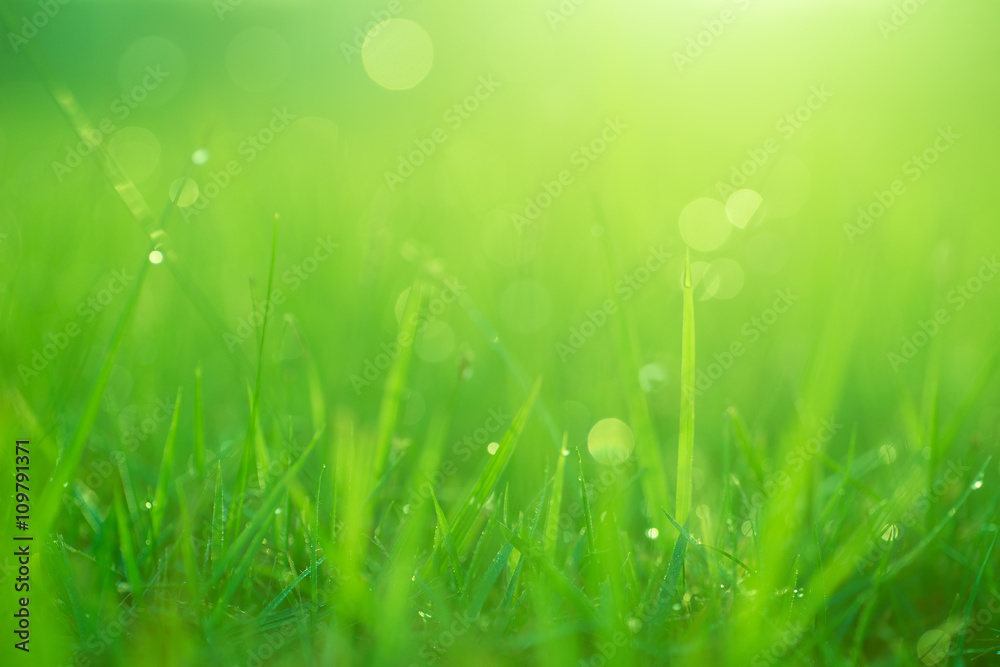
(685,438)
(236,512)
(166,470)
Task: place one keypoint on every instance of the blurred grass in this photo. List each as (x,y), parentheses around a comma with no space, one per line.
(365,505)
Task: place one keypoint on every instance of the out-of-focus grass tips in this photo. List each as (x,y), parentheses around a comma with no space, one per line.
(443,409)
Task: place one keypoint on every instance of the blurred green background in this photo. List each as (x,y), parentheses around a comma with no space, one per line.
(509,96)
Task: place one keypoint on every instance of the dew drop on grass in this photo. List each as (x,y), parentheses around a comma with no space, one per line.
(978,484)
(149,505)
(493,447)
(652,533)
(200,156)
(746,528)
(610,441)
(887,454)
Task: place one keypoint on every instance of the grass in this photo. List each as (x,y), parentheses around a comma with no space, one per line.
(381,474)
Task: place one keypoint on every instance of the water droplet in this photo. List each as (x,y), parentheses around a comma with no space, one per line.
(200,156)
(155,257)
(978,484)
(149,505)
(493,447)
(887,454)
(652,533)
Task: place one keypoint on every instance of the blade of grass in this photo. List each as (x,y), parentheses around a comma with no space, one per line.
(199,426)
(236,512)
(389,408)
(588,517)
(491,473)
(552,519)
(218,525)
(166,470)
(132,572)
(449,544)
(685,438)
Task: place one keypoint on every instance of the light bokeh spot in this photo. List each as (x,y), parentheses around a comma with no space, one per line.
(742,207)
(933,647)
(704,224)
(610,441)
(137,151)
(652,377)
(184,192)
(436,342)
(398,54)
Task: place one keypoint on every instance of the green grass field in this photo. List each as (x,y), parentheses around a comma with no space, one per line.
(567,333)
